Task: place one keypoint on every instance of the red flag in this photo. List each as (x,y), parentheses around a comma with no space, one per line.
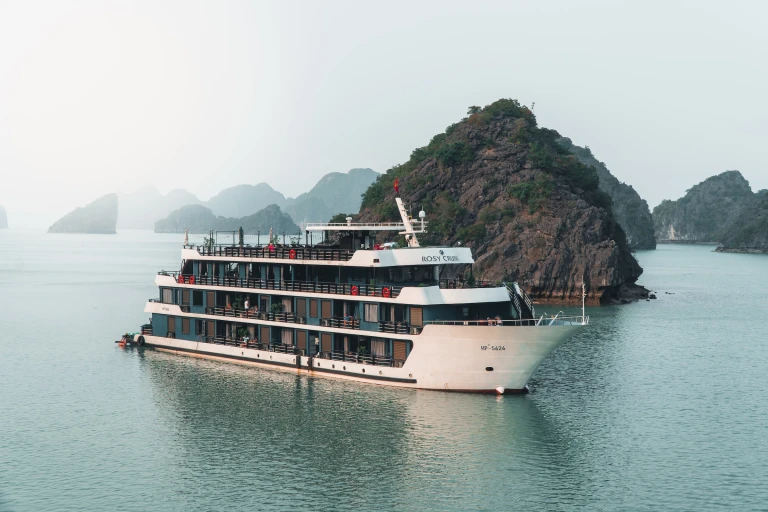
(397,185)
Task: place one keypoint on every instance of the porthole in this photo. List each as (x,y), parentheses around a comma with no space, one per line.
(380,373)
(410,375)
(345,368)
(489,368)
(258,356)
(318,364)
(333,366)
(270,357)
(363,370)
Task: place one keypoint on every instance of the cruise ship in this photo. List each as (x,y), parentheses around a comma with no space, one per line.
(351,308)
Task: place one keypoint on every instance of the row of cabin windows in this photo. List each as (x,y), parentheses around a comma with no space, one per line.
(370,310)
(377,345)
(183,296)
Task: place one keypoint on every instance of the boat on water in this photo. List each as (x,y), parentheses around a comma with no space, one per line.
(354,309)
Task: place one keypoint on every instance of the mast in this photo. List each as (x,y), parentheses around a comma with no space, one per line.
(410,234)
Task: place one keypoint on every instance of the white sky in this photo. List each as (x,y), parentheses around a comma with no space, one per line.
(97,97)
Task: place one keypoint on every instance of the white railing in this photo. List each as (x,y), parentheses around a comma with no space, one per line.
(543,321)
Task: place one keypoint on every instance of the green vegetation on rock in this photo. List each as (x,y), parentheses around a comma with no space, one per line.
(531,211)
(630,210)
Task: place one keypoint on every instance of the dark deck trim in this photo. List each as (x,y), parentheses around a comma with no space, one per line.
(312,368)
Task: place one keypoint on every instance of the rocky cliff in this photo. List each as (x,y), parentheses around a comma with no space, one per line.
(199,219)
(528,208)
(3,218)
(749,232)
(706,212)
(630,210)
(98,217)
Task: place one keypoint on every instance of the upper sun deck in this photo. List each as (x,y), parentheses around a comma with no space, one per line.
(321,255)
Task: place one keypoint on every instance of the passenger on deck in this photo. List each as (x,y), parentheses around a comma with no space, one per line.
(498,320)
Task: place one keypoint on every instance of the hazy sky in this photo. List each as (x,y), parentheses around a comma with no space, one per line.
(103,96)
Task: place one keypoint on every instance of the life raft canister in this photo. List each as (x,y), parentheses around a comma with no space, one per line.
(385,292)
(354,290)
(180,279)
(292,254)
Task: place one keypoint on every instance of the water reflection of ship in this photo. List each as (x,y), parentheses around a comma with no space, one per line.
(349,442)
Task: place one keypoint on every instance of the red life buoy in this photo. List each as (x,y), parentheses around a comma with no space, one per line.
(385,292)
(180,279)
(191,279)
(354,290)
(292,254)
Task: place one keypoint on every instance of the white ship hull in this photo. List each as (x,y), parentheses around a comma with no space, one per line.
(491,359)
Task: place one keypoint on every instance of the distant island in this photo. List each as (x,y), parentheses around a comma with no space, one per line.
(3,218)
(631,211)
(199,219)
(708,211)
(98,217)
(749,233)
(140,209)
(334,193)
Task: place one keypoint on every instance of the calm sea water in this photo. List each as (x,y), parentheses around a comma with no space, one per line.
(659,405)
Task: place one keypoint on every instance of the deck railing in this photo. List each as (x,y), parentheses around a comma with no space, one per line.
(351,289)
(458,283)
(277,252)
(543,320)
(395,328)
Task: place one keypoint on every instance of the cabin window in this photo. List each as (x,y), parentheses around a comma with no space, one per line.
(210,298)
(167,296)
(199,327)
(197,298)
(371,312)
(313,308)
(378,347)
(301,340)
(185,326)
(185,296)
(287,336)
(172,324)
(301,307)
(417,317)
(325,309)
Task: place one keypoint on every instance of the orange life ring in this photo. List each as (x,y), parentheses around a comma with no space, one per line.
(180,279)
(292,254)
(191,279)
(354,290)
(385,292)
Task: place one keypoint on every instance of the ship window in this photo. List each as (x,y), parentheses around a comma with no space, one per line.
(172,324)
(185,296)
(371,312)
(200,327)
(167,296)
(197,298)
(301,307)
(185,326)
